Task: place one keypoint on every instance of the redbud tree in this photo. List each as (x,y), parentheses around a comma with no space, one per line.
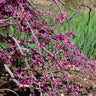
(43,66)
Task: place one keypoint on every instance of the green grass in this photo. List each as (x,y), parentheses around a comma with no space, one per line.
(85,41)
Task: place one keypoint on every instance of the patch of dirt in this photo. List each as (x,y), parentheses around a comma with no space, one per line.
(88,86)
(6,82)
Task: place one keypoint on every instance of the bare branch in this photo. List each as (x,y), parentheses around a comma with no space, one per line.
(65,6)
(11,74)
(77,10)
(9,90)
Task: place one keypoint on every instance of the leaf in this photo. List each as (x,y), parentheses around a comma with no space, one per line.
(11,30)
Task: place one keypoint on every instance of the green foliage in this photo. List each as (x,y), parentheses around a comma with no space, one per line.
(37,3)
(86,41)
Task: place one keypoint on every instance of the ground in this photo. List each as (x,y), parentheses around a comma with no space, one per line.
(88,89)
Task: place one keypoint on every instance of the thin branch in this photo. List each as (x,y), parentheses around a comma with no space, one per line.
(39,5)
(16,81)
(13,78)
(27,64)
(68,21)
(87,21)
(11,18)
(9,90)
(77,10)
(48,51)
(65,6)
(20,49)
(8,25)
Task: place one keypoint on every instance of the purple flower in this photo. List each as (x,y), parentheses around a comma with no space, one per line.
(2,21)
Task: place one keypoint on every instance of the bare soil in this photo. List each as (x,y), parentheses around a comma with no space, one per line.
(88,86)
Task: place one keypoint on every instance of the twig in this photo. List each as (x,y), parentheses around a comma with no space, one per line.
(65,6)
(39,5)
(20,49)
(16,81)
(9,90)
(62,12)
(11,74)
(8,25)
(76,12)
(87,21)
(11,18)
(27,64)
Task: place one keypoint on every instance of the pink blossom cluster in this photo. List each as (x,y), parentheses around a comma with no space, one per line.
(60,17)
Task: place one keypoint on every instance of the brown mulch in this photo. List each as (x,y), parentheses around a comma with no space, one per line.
(88,89)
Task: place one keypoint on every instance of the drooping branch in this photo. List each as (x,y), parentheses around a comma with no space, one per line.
(13,78)
(67,19)
(6,89)
(77,10)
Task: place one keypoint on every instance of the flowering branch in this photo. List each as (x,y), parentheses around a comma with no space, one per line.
(13,78)
(62,12)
